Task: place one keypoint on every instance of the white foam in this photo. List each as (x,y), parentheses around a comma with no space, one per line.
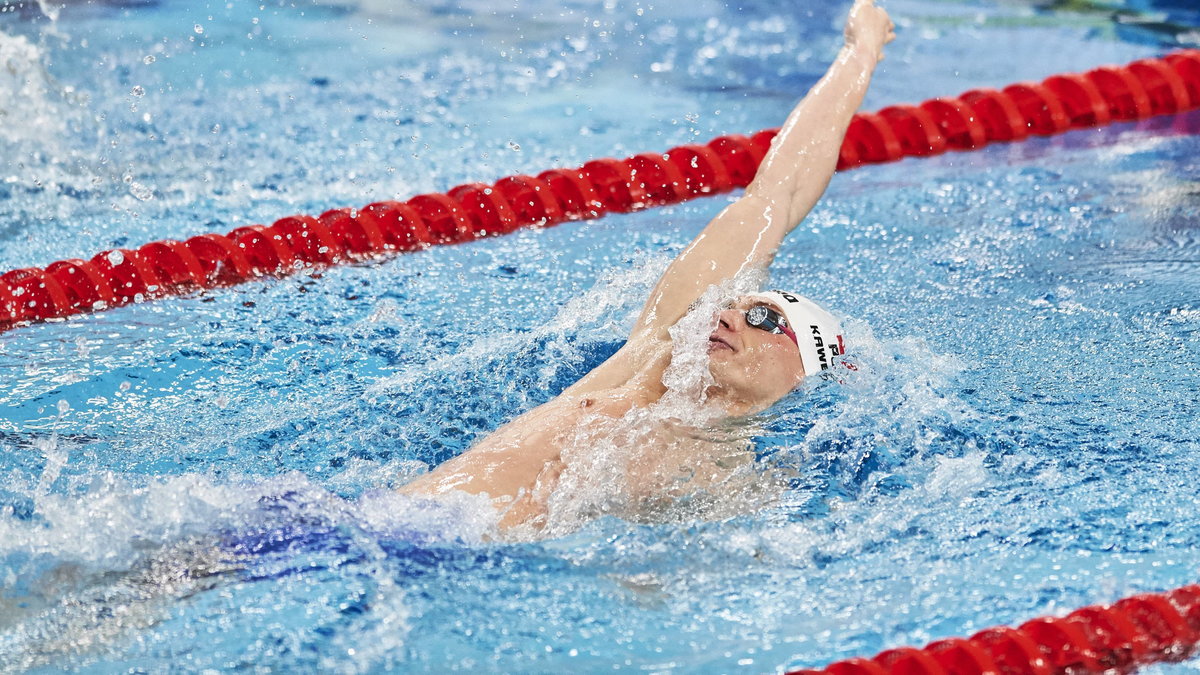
(112,516)
(107,520)
(50,9)
(956,477)
(32,106)
(906,381)
(118,558)
(457,516)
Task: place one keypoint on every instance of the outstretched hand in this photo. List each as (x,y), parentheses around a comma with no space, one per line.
(869,28)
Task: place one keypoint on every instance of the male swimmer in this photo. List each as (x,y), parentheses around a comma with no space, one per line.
(761,346)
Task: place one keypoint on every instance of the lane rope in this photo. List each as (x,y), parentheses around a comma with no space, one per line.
(1133,631)
(1114,638)
(1059,103)
(1142,89)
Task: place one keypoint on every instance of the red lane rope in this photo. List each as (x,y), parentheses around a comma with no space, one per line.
(1059,103)
(1131,632)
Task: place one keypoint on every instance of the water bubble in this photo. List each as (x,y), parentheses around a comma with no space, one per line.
(148,59)
(63,407)
(124,386)
(142,192)
(115,258)
(199,29)
(516,147)
(138,91)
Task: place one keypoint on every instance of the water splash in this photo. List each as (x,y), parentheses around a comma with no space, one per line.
(117,559)
(672,461)
(56,456)
(30,99)
(50,9)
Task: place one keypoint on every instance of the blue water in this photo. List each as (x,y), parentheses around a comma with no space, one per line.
(203,482)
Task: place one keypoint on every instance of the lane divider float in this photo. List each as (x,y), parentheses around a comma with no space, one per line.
(1114,638)
(1141,89)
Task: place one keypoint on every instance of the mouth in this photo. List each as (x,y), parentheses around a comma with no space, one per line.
(716,344)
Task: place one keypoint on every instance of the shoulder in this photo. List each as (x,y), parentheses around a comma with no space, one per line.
(632,362)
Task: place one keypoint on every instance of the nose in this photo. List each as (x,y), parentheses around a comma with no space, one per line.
(731,319)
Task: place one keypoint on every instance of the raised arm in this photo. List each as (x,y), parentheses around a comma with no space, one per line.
(791,179)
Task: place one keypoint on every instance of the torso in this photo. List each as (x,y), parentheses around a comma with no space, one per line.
(579,436)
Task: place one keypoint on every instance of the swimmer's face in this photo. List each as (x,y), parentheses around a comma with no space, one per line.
(752,363)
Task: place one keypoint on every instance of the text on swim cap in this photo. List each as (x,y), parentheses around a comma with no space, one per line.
(819,343)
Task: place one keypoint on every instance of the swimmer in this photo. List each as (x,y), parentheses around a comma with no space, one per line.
(761,347)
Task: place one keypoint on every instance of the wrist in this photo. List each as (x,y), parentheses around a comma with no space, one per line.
(861,56)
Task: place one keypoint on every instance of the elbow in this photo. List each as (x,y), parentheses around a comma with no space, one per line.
(762,193)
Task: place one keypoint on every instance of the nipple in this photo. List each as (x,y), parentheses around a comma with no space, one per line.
(587,402)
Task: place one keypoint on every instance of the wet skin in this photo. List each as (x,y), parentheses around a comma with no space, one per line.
(521,464)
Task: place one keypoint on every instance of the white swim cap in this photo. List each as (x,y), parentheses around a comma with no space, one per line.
(818,333)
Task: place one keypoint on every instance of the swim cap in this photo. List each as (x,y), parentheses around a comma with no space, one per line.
(818,333)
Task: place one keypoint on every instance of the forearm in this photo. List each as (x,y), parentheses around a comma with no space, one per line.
(792,177)
(804,154)
(788,184)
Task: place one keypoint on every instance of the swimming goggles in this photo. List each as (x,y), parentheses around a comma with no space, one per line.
(765,318)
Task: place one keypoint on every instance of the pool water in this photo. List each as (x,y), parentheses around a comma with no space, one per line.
(203,482)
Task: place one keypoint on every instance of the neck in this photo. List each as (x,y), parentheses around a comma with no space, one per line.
(732,402)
